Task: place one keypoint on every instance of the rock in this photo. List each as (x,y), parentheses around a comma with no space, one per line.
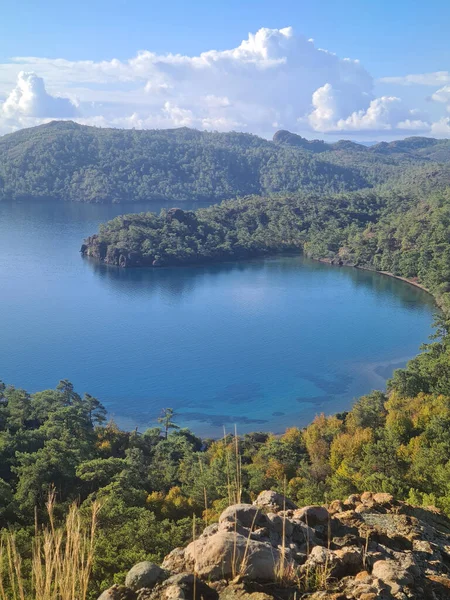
(366,496)
(175,213)
(352,501)
(182,587)
(175,561)
(273,501)
(238,592)
(336,507)
(351,560)
(118,592)
(143,575)
(278,524)
(312,515)
(211,529)
(383,498)
(246,514)
(225,554)
(380,548)
(392,574)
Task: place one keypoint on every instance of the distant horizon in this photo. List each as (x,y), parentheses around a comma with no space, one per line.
(367,143)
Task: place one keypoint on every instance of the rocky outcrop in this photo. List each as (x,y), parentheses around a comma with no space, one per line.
(366,547)
(143,575)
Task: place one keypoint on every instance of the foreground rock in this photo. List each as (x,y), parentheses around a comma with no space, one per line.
(143,575)
(367,547)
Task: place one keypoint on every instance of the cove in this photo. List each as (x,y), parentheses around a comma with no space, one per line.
(263,344)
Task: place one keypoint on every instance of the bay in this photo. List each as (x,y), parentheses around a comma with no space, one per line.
(263,344)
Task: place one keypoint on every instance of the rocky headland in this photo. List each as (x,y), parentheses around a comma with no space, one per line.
(367,547)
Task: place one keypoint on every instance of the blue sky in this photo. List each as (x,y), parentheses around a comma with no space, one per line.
(71,72)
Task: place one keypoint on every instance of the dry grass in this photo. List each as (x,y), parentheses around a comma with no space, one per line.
(61,563)
(11,580)
(234,472)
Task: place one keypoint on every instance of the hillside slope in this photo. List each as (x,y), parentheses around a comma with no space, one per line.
(65,161)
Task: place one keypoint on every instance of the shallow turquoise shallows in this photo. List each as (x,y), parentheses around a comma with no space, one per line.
(263,344)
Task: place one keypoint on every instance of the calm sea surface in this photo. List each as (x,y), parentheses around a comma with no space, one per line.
(263,344)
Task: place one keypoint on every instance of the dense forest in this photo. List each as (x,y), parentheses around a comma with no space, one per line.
(65,161)
(152,485)
(397,231)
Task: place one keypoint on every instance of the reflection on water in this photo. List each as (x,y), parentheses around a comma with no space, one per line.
(262,343)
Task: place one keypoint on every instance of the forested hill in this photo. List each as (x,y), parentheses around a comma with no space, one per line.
(65,161)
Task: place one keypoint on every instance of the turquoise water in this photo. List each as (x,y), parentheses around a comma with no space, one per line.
(263,344)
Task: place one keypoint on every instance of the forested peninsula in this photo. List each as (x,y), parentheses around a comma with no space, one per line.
(403,233)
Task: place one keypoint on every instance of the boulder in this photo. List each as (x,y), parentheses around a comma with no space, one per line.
(382,498)
(352,501)
(238,592)
(312,515)
(336,507)
(394,575)
(143,575)
(182,587)
(175,561)
(246,515)
(273,501)
(118,592)
(278,524)
(225,554)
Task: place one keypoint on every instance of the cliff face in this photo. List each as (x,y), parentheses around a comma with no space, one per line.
(364,548)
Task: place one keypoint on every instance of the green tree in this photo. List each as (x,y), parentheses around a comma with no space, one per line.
(167,420)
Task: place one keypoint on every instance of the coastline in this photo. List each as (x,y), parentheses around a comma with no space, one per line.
(387,273)
(405,279)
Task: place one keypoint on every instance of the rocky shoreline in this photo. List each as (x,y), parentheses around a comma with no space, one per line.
(367,547)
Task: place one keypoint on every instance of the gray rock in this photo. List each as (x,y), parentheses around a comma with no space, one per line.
(226,554)
(144,575)
(175,561)
(181,587)
(118,592)
(394,574)
(312,515)
(246,514)
(273,501)
(278,524)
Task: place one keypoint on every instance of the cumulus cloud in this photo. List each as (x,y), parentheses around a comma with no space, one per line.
(441,128)
(274,79)
(29,98)
(386,113)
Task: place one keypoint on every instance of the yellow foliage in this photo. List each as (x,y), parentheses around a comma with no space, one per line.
(322,427)
(347,446)
(275,470)
(415,412)
(292,435)
(173,505)
(104,445)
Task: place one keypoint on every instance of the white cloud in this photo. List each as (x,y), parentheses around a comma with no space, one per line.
(431,79)
(30,99)
(441,128)
(273,79)
(382,114)
(442,95)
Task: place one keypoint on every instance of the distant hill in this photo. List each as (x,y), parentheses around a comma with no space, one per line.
(65,161)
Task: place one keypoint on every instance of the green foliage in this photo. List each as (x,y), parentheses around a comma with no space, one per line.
(150,485)
(68,162)
(65,161)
